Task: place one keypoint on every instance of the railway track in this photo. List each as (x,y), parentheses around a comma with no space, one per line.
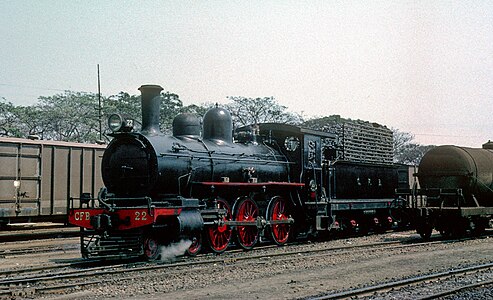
(63,277)
(28,234)
(38,249)
(384,287)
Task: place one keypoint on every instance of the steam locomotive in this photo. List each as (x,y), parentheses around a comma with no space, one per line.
(268,182)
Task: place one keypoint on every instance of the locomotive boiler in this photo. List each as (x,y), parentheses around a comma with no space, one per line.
(458,185)
(211,185)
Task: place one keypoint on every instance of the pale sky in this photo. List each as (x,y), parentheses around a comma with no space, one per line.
(424,67)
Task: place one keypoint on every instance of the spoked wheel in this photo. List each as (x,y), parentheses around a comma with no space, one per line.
(246,210)
(196,245)
(151,248)
(218,236)
(278,211)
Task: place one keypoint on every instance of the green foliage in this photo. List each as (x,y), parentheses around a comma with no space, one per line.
(70,116)
(170,107)
(325,123)
(8,118)
(75,116)
(406,151)
(247,111)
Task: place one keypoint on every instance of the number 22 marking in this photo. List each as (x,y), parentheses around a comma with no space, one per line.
(140,216)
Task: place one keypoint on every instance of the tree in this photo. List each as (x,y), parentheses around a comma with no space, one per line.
(131,106)
(332,124)
(405,150)
(171,106)
(125,104)
(247,111)
(8,119)
(70,116)
(199,110)
(412,153)
(31,121)
(74,116)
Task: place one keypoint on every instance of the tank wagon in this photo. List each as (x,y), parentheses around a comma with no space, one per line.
(215,187)
(38,177)
(456,192)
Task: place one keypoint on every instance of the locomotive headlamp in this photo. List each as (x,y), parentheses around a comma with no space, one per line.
(118,123)
(313,185)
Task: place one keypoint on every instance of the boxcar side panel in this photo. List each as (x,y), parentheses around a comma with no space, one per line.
(49,174)
(19,165)
(61,179)
(75,171)
(46,180)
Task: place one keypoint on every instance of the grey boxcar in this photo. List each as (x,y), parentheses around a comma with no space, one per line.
(37,178)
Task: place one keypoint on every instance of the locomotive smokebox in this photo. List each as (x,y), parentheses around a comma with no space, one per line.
(151,101)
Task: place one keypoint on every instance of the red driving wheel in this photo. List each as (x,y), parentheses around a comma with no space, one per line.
(219,235)
(246,210)
(278,211)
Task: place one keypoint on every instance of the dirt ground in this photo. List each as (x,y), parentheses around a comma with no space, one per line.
(275,277)
(301,277)
(318,277)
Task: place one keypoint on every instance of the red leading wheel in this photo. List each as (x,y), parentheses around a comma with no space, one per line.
(219,236)
(151,248)
(278,211)
(196,245)
(246,210)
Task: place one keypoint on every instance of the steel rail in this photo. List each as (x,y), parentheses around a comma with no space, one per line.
(456,290)
(39,249)
(402,283)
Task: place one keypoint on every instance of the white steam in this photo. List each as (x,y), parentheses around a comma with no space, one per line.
(171,252)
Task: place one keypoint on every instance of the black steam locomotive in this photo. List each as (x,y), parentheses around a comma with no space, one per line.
(212,186)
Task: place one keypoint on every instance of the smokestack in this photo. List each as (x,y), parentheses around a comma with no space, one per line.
(151,101)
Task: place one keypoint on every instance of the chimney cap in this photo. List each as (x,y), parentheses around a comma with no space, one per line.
(150,86)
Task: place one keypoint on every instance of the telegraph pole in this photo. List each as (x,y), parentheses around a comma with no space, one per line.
(100,115)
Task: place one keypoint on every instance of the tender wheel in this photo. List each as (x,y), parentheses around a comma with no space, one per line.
(246,210)
(196,245)
(151,248)
(218,236)
(444,233)
(425,232)
(278,210)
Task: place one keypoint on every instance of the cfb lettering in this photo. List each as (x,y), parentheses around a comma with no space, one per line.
(82,215)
